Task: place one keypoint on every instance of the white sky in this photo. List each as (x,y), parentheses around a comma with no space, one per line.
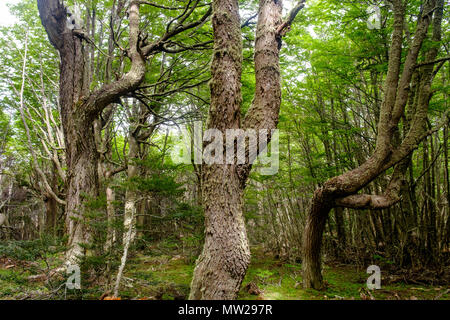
(5,17)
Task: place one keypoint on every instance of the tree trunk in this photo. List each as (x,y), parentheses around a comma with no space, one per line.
(223,263)
(81,150)
(111,236)
(51,213)
(312,240)
(79,109)
(131,196)
(82,183)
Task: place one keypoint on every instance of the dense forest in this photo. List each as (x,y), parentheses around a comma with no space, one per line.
(225,149)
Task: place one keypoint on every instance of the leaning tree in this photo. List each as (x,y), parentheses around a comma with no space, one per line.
(407,89)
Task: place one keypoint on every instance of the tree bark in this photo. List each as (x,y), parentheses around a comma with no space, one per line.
(312,240)
(129,221)
(79,109)
(224,260)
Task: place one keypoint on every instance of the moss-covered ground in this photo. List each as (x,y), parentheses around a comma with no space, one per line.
(162,276)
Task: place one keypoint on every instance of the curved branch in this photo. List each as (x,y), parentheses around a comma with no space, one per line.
(110,93)
(282,30)
(366,201)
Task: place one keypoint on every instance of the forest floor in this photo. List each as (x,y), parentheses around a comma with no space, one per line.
(163,276)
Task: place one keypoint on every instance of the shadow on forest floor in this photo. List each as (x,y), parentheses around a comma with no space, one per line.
(168,277)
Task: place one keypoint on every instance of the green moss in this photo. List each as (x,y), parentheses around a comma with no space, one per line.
(168,277)
(14,284)
(279,281)
(162,277)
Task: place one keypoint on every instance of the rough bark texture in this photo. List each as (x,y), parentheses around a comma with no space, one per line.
(79,109)
(81,154)
(224,260)
(51,213)
(312,240)
(225,257)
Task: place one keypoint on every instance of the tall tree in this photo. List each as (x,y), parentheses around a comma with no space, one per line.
(79,109)
(80,106)
(222,265)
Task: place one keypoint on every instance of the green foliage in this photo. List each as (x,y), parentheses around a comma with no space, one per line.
(333,68)
(31,250)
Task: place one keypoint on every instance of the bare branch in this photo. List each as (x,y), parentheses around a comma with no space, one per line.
(432,62)
(282,30)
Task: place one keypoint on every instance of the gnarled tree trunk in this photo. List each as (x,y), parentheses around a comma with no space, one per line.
(80,108)
(224,260)
(223,263)
(341,191)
